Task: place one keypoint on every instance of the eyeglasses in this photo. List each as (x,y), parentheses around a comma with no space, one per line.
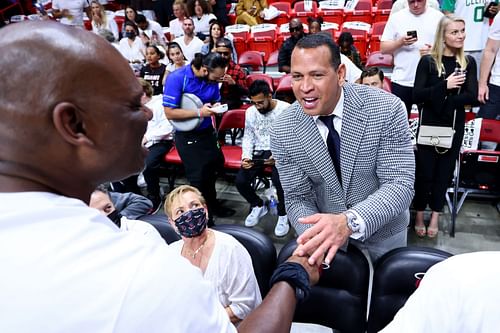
(293,29)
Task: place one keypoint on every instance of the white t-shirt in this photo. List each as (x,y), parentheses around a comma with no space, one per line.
(142,228)
(189,50)
(258,127)
(352,72)
(131,52)
(231,272)
(67,268)
(159,127)
(202,24)
(406,58)
(495,35)
(176,28)
(460,294)
(75,8)
(156,27)
(110,25)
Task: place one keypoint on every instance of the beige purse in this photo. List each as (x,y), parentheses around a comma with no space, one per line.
(436,136)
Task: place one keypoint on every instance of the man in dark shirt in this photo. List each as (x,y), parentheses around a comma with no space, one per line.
(234,85)
(285,54)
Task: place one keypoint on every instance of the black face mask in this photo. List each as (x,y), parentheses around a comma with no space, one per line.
(115,217)
(130,34)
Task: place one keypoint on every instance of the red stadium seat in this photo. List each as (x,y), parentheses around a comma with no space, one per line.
(331,12)
(252,60)
(240,33)
(260,76)
(380,60)
(383,10)
(262,38)
(232,120)
(299,10)
(376,35)
(284,17)
(362,12)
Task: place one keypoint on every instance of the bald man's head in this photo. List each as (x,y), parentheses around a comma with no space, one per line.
(296,29)
(64,91)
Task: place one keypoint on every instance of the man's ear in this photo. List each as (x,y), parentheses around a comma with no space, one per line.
(69,124)
(341,71)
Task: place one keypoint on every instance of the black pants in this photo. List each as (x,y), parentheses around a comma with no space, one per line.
(202,158)
(245,177)
(434,173)
(405,94)
(154,161)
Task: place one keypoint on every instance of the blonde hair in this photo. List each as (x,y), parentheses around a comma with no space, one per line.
(439,46)
(175,193)
(102,12)
(146,87)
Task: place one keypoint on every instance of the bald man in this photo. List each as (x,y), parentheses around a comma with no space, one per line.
(285,53)
(76,123)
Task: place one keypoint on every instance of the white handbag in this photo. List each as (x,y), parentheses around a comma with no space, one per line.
(436,136)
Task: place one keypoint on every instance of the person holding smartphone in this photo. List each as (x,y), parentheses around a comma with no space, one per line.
(256,154)
(445,81)
(408,35)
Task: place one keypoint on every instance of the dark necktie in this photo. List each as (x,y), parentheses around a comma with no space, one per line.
(333,143)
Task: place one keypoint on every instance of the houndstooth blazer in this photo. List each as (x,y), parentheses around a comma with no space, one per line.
(377,163)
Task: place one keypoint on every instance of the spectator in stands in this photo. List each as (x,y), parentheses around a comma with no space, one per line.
(256,155)
(234,85)
(180,13)
(101,21)
(189,43)
(150,31)
(154,71)
(91,131)
(158,140)
(221,258)
(130,205)
(352,72)
(477,24)
(216,32)
(220,11)
(343,178)
(373,77)
(408,35)
(445,81)
(145,7)
(459,294)
(130,46)
(250,11)
(101,200)
(402,4)
(176,58)
(347,48)
(70,12)
(198,149)
(285,53)
(314,24)
(489,93)
(201,13)
(130,15)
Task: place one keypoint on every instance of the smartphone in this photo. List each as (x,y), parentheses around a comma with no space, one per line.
(412,33)
(458,71)
(258,161)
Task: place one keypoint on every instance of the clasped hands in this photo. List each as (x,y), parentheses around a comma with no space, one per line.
(321,242)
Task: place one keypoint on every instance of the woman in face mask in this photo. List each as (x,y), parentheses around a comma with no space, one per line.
(131,47)
(221,258)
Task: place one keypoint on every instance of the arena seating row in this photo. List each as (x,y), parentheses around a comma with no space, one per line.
(340,299)
(331,11)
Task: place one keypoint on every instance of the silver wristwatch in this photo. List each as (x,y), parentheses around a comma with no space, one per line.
(352,221)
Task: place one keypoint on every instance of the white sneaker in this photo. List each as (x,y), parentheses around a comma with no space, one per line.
(255,215)
(282,227)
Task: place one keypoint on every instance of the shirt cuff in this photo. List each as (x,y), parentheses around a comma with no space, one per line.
(359,235)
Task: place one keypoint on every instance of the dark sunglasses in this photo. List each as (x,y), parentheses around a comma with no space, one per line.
(293,29)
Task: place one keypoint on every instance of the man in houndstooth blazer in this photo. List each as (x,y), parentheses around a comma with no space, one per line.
(376,158)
